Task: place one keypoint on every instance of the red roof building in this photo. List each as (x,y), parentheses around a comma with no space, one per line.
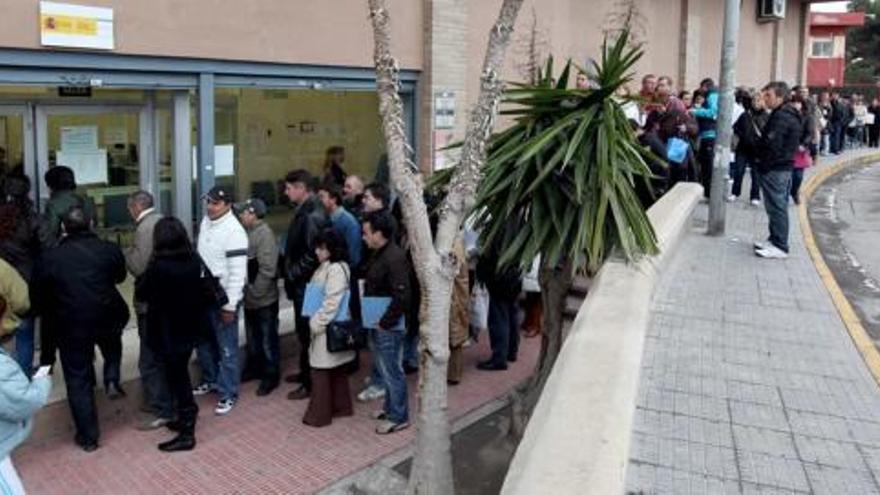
(826,62)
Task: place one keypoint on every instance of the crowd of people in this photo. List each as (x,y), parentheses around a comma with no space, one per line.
(342,262)
(777,133)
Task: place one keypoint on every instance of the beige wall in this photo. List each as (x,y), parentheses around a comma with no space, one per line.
(333,32)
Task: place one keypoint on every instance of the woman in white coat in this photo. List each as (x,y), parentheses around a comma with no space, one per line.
(330,395)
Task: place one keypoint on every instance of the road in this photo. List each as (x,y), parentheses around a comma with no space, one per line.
(845,216)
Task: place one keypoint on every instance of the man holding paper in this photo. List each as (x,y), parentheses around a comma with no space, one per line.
(386,299)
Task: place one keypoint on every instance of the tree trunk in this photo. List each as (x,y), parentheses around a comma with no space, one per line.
(555,285)
(434,264)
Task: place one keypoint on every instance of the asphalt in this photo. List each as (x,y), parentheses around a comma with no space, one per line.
(844,213)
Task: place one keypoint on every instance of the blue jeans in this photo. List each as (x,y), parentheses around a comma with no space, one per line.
(219,357)
(375,375)
(24,345)
(389,357)
(503,329)
(776,185)
(739,172)
(797,178)
(263,353)
(411,351)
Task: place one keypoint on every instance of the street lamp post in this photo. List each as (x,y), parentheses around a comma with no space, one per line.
(730,36)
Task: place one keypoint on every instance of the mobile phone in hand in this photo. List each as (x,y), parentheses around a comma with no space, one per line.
(42,371)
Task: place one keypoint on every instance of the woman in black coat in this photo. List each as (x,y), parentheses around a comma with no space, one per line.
(171,288)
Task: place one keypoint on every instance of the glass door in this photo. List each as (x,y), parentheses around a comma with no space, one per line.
(107,147)
(16,140)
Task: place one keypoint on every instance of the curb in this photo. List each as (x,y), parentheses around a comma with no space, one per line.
(858,334)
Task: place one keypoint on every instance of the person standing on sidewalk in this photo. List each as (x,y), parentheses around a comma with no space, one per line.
(74,290)
(223,247)
(261,299)
(20,396)
(707,116)
(504,285)
(20,247)
(748,128)
(171,288)
(156,397)
(300,264)
(387,276)
(344,223)
(331,396)
(778,144)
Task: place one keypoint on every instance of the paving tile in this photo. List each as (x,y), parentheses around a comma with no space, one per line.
(834,481)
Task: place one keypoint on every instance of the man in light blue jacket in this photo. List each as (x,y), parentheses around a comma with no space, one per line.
(20,398)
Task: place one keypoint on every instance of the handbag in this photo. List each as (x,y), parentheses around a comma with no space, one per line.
(345,336)
(212,292)
(676,150)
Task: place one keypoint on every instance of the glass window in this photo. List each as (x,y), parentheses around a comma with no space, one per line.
(11,142)
(822,48)
(268,132)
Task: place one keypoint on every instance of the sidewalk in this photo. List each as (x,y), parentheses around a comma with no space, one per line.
(261,447)
(750,382)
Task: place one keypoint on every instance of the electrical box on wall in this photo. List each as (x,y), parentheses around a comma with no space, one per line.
(771,10)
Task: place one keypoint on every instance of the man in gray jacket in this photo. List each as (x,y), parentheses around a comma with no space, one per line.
(261,299)
(157,400)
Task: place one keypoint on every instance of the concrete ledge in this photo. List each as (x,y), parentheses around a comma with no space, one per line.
(577,440)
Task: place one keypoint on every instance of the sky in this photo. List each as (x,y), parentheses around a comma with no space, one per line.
(829,7)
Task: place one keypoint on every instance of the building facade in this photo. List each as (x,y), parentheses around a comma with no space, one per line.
(826,64)
(175,96)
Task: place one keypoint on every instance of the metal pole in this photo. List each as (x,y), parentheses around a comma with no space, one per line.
(721,163)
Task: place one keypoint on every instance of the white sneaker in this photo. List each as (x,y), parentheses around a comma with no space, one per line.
(204,389)
(729,180)
(759,245)
(772,252)
(224,407)
(371,393)
(732,198)
(756,202)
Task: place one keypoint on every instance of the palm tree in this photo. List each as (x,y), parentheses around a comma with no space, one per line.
(566,172)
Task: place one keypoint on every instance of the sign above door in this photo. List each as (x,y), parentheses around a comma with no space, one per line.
(76,26)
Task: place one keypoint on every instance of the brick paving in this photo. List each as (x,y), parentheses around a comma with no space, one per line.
(750,382)
(262,447)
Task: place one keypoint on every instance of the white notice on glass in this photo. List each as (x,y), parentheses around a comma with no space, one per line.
(89,167)
(224,160)
(79,138)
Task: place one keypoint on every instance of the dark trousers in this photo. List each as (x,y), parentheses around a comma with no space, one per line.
(77,362)
(330,396)
(706,157)
(739,172)
(874,134)
(837,136)
(263,353)
(179,386)
(797,178)
(776,185)
(303,335)
(503,329)
(150,366)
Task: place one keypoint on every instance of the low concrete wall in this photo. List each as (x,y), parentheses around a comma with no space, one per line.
(577,440)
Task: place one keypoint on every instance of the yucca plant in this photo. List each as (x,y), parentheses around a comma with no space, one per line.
(565,175)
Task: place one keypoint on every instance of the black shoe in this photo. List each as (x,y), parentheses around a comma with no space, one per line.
(491,366)
(114,391)
(409,369)
(179,443)
(175,425)
(87,445)
(294,378)
(298,394)
(511,359)
(266,388)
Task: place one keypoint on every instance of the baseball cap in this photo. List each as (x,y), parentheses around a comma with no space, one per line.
(219,193)
(254,205)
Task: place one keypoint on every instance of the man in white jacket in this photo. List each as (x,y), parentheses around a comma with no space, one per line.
(223,246)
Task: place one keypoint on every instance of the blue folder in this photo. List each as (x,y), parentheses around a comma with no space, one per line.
(314,299)
(372,310)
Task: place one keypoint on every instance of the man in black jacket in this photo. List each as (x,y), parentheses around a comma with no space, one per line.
(75,291)
(300,262)
(778,144)
(387,276)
